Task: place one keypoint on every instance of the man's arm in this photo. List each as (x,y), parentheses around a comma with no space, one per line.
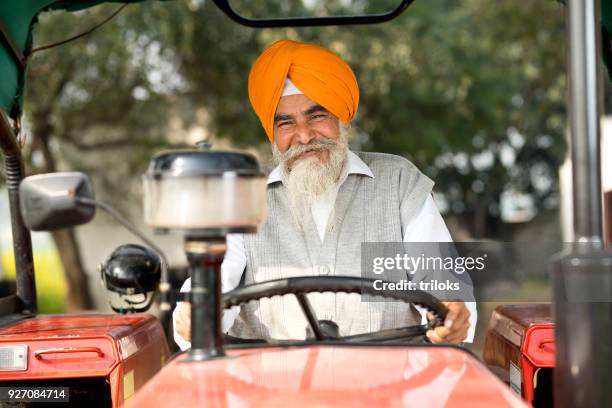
(232,268)
(428,226)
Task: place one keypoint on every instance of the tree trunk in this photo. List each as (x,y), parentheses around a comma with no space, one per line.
(459,227)
(481,214)
(79,297)
(480,219)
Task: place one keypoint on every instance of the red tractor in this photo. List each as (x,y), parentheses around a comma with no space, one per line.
(541,353)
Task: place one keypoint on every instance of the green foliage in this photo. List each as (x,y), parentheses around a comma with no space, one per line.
(100,104)
(445,84)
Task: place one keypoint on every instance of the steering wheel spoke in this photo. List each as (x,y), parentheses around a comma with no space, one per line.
(310,315)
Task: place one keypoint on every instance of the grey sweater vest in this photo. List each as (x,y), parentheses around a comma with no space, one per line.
(366,210)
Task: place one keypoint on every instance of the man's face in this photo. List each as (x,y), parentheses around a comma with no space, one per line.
(311,149)
(298,121)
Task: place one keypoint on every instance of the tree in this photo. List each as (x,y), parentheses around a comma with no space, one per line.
(88,102)
(473,94)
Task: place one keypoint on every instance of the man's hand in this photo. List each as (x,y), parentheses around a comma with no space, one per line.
(455,326)
(183,321)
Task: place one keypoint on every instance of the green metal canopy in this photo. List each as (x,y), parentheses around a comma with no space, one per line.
(17,19)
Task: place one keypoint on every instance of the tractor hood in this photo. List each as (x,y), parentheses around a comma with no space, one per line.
(329,375)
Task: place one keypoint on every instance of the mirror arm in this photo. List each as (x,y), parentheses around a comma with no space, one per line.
(164,286)
(225,7)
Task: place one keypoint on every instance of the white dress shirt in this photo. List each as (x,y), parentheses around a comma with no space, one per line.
(427,226)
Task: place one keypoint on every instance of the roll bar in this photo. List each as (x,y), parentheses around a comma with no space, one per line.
(22,240)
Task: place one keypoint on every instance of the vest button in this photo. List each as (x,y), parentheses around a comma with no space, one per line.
(324,270)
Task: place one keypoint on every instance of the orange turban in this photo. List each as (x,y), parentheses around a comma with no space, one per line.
(319,73)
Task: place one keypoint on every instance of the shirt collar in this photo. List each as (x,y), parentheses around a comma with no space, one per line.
(355,166)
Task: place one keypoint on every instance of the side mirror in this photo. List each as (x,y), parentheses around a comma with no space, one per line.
(56,200)
(312,21)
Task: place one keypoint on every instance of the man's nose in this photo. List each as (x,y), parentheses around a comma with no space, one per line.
(304,133)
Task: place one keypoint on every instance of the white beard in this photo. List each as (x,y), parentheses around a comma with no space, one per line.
(310,178)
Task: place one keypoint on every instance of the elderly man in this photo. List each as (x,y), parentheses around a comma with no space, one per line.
(323,202)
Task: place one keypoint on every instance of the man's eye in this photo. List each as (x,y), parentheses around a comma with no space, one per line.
(318,116)
(284,125)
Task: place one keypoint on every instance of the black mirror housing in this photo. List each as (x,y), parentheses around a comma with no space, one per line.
(52,201)
(226,7)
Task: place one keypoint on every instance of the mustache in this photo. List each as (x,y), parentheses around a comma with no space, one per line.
(314,146)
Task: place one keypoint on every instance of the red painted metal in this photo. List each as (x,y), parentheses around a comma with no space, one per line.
(329,375)
(523,335)
(126,350)
(538,351)
(539,345)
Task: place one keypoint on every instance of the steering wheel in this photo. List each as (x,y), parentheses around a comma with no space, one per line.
(300,286)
